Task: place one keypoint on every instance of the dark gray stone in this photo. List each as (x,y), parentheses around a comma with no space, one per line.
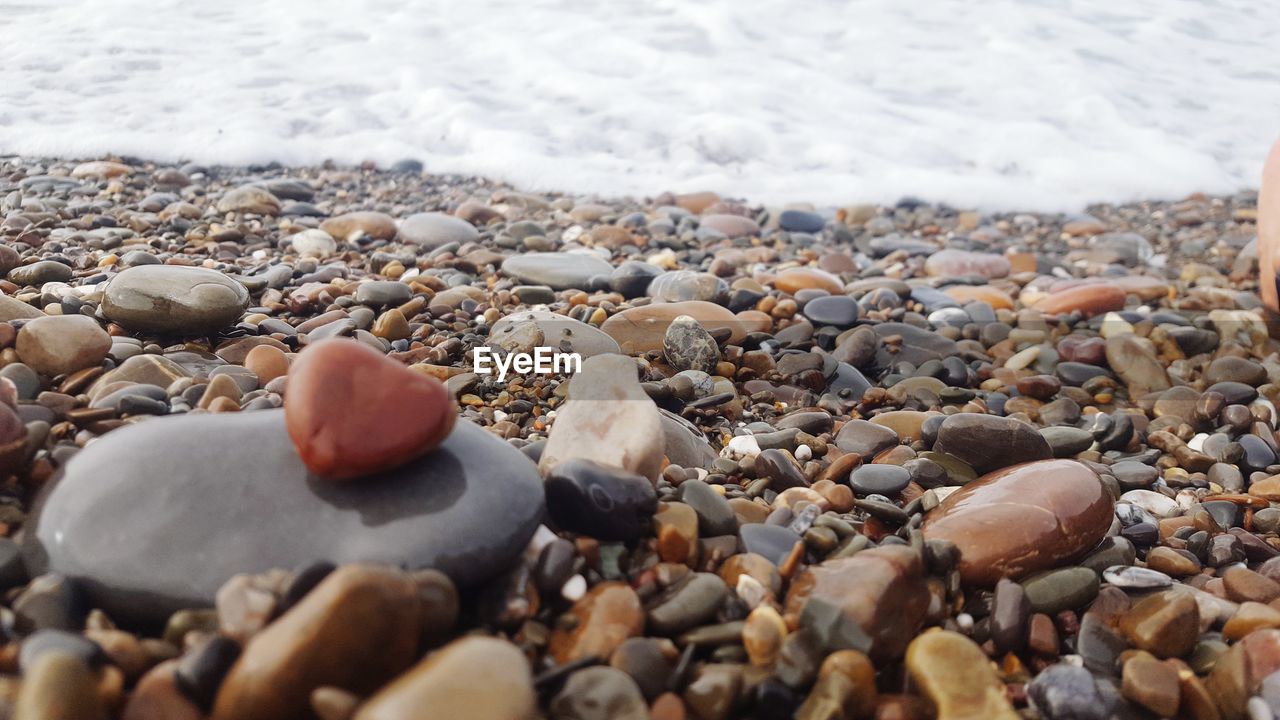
(156,517)
(918,345)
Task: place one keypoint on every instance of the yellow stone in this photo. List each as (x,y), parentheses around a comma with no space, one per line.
(952,671)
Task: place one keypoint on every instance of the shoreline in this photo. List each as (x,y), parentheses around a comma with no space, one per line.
(871,458)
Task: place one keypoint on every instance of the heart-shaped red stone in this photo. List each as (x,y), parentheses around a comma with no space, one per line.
(353,411)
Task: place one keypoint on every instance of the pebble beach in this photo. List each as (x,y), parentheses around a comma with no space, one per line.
(819,462)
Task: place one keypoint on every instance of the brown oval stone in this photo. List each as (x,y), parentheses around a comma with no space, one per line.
(882,590)
(731,225)
(959,263)
(642,329)
(796,279)
(356,630)
(380,226)
(607,615)
(472,678)
(995,297)
(1088,299)
(1023,519)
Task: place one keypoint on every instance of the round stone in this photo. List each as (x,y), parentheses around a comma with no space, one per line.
(173,299)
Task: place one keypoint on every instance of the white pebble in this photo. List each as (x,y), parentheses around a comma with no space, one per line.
(1022,359)
(965,622)
(1113,325)
(803,453)
(750,590)
(541,538)
(740,447)
(1259,709)
(574,589)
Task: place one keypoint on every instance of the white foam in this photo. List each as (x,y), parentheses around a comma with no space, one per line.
(1034,104)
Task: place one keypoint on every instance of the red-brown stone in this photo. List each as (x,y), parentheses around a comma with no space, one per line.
(1022,519)
(352,411)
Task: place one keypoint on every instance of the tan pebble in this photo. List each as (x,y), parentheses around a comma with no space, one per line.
(473,678)
(331,703)
(356,630)
(267,362)
(762,635)
(157,697)
(952,671)
(59,687)
(1151,684)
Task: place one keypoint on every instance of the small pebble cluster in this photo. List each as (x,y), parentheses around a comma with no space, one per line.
(891,463)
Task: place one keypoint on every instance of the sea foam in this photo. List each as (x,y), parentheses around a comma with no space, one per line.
(1028,104)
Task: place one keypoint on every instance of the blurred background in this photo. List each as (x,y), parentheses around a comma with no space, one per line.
(1027,104)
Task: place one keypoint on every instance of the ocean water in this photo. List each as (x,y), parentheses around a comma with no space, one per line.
(1001,104)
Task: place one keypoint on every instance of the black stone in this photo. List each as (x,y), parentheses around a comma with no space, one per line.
(602,502)
(631,279)
(200,672)
(304,580)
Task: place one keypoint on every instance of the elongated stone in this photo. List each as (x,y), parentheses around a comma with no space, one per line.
(1023,519)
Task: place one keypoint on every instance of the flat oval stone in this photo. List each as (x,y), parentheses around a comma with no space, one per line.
(347,226)
(989,442)
(558,331)
(1089,300)
(558,271)
(434,229)
(682,285)
(804,278)
(134,509)
(1023,519)
(888,480)
(918,345)
(840,311)
(641,329)
(958,263)
(41,272)
(173,299)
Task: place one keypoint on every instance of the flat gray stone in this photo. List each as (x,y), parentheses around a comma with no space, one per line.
(559,271)
(156,517)
(173,299)
(434,229)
